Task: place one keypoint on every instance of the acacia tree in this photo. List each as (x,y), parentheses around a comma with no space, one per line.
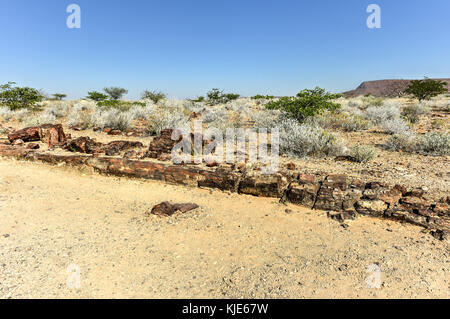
(115,92)
(427,88)
(19,97)
(59,96)
(155,96)
(96,96)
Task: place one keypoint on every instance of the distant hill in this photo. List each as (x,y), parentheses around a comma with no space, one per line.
(388,88)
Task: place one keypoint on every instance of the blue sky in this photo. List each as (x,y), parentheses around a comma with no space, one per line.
(185,48)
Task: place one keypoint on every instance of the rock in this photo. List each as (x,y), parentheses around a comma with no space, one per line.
(115,132)
(84,144)
(53,135)
(115,147)
(168,209)
(417,205)
(440,234)
(304,191)
(18,142)
(107,130)
(28,134)
(32,146)
(331,193)
(290,166)
(162,144)
(341,217)
(132,154)
(371,207)
(263,185)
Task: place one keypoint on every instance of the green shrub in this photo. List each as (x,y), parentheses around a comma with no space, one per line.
(263,97)
(155,96)
(363,153)
(306,103)
(19,97)
(97,96)
(426,89)
(216,96)
(117,104)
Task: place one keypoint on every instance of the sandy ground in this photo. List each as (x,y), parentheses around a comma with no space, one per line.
(55,219)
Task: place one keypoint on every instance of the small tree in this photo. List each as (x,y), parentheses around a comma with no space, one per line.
(96,96)
(115,92)
(426,89)
(19,97)
(306,103)
(216,96)
(59,96)
(155,96)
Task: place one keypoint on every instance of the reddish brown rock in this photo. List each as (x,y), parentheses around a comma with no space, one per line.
(84,144)
(28,134)
(290,166)
(263,185)
(115,132)
(162,144)
(52,135)
(32,146)
(417,205)
(331,193)
(167,209)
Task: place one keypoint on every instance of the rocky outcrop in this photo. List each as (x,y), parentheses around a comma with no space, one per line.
(342,194)
(384,88)
(52,135)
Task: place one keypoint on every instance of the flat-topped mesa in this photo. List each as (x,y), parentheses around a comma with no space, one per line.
(51,134)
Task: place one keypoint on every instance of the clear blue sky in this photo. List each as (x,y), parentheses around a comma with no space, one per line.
(187,47)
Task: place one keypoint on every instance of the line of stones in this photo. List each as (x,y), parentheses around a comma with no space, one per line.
(338,193)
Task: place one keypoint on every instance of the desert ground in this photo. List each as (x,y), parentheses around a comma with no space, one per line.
(232,246)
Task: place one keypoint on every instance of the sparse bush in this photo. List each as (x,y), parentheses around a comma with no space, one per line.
(211,115)
(166,118)
(267,119)
(406,142)
(355,123)
(300,140)
(346,122)
(436,143)
(413,112)
(155,96)
(115,93)
(306,103)
(113,119)
(370,100)
(363,153)
(379,115)
(40,119)
(19,97)
(395,126)
(426,89)
(437,124)
(142,112)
